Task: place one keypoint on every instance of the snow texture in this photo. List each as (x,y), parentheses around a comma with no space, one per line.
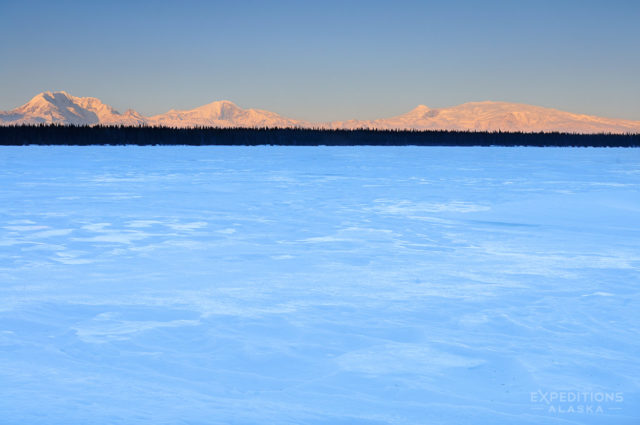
(280,285)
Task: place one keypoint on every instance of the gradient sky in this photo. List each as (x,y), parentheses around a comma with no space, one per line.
(325,60)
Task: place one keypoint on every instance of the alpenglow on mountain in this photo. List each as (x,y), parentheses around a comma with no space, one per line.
(62,108)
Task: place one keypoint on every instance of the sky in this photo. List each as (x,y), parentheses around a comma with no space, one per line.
(325,60)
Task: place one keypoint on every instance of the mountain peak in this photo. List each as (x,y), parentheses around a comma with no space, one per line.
(62,108)
(421,108)
(225,102)
(221,109)
(49,96)
(222,113)
(58,93)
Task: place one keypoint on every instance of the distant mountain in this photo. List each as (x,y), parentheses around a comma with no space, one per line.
(223,114)
(62,108)
(494,116)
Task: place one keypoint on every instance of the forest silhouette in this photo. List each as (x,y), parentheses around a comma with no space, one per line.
(53,134)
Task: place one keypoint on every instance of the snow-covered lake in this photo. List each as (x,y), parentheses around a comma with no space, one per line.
(282,285)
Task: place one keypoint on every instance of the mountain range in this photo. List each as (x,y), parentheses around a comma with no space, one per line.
(62,108)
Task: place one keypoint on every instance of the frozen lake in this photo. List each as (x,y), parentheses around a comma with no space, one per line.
(282,285)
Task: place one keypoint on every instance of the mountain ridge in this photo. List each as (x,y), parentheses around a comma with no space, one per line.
(62,108)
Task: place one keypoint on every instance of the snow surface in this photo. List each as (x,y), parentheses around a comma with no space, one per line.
(281,285)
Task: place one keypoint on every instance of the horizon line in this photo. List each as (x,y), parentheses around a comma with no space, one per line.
(67,93)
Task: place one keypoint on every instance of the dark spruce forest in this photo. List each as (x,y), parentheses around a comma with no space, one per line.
(52,134)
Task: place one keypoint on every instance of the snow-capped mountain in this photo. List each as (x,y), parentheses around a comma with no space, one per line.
(494,116)
(223,114)
(62,108)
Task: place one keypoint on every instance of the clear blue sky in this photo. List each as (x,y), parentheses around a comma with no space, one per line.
(325,60)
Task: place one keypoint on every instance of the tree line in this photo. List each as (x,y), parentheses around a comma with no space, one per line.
(73,135)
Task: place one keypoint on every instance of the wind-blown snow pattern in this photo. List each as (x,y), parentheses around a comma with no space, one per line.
(283,285)
(62,108)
